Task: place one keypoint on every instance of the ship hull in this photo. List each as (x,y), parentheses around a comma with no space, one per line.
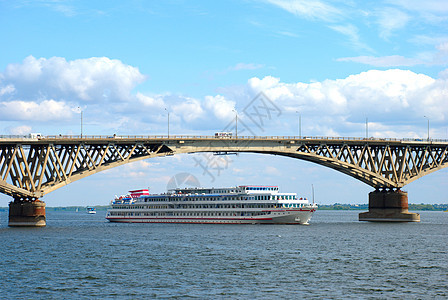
(294,218)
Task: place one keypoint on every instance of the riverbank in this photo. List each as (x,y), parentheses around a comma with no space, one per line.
(417,207)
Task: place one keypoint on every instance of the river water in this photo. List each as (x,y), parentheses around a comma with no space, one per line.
(81,256)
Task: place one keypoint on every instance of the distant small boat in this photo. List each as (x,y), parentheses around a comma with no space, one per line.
(91,210)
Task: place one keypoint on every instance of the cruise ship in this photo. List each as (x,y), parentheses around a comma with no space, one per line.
(245,204)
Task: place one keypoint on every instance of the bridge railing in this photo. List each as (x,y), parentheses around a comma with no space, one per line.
(187,137)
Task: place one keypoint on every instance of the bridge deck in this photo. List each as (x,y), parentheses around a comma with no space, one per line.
(118,138)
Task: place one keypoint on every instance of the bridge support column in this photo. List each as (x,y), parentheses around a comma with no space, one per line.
(26,213)
(389,206)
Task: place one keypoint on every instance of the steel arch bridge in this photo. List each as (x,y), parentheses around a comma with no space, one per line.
(31,168)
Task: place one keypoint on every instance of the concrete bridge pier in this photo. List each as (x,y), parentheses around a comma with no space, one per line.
(389,206)
(24,212)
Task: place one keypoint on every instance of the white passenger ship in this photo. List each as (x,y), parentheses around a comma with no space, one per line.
(237,205)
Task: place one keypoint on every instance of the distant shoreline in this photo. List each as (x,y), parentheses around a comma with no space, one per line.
(413,207)
(336,206)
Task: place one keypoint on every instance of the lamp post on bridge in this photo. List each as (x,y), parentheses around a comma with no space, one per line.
(81,119)
(300,124)
(428,126)
(367,128)
(236,122)
(168,122)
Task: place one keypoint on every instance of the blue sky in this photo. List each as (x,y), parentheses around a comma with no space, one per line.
(124,63)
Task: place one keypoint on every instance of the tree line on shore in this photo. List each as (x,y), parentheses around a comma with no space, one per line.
(422,206)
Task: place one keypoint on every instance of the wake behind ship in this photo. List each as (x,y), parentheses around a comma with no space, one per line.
(234,205)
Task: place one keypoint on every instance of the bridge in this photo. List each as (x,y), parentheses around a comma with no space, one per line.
(33,167)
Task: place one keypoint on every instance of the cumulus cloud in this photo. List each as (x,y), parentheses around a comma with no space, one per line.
(47,110)
(20,130)
(389,97)
(53,89)
(89,79)
(156,101)
(220,106)
(189,110)
(5,90)
(392,100)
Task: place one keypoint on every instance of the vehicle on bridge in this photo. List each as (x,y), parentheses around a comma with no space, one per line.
(235,205)
(223,135)
(34,136)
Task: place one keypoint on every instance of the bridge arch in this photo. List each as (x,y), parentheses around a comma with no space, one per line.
(33,168)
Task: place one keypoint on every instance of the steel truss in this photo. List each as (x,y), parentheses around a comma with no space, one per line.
(35,168)
(382,166)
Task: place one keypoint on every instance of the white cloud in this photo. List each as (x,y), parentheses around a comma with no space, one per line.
(441,57)
(272,171)
(151,101)
(244,66)
(437,57)
(384,61)
(394,98)
(189,110)
(288,34)
(8,89)
(67,10)
(309,9)
(20,130)
(262,84)
(90,79)
(220,106)
(138,169)
(47,110)
(352,33)
(434,6)
(444,74)
(239,171)
(390,20)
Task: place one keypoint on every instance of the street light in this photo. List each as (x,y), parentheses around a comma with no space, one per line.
(367,128)
(300,124)
(81,119)
(236,122)
(428,126)
(168,122)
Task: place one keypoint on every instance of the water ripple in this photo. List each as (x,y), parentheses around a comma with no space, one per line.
(81,256)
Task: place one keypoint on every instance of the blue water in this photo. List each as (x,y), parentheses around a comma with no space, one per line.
(81,256)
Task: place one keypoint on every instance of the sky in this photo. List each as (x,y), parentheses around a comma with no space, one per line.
(334,65)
